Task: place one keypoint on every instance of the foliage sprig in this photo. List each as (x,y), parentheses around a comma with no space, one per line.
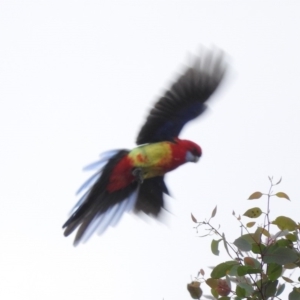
(258,258)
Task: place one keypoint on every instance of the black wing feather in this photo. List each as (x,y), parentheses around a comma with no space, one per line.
(150,197)
(98,200)
(184,101)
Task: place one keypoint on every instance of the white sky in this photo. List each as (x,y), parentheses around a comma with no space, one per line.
(78,78)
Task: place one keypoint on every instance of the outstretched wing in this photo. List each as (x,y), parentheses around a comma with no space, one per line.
(185,100)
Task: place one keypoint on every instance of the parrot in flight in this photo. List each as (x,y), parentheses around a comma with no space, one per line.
(134,179)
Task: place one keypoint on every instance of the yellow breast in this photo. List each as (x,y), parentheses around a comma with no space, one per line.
(152,159)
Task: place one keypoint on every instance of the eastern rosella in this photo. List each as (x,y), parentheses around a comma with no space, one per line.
(134,179)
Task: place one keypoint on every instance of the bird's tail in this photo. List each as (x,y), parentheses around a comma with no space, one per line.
(150,198)
(98,208)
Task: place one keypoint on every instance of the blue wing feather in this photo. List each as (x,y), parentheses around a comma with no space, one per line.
(185,100)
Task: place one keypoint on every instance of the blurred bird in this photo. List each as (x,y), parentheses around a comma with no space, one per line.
(134,179)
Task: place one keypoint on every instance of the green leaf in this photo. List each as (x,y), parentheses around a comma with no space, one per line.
(269,288)
(214,212)
(282,195)
(194,219)
(215,247)
(244,242)
(243,290)
(214,293)
(255,195)
(247,287)
(254,271)
(254,212)
(292,237)
(233,271)
(258,248)
(274,271)
(222,269)
(279,255)
(284,243)
(212,283)
(280,289)
(240,292)
(243,270)
(295,294)
(285,223)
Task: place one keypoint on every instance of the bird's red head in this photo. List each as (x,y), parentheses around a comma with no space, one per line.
(191,150)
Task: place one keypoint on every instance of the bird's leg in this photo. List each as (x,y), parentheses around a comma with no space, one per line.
(138,174)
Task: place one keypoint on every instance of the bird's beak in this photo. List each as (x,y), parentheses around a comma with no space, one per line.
(190,157)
